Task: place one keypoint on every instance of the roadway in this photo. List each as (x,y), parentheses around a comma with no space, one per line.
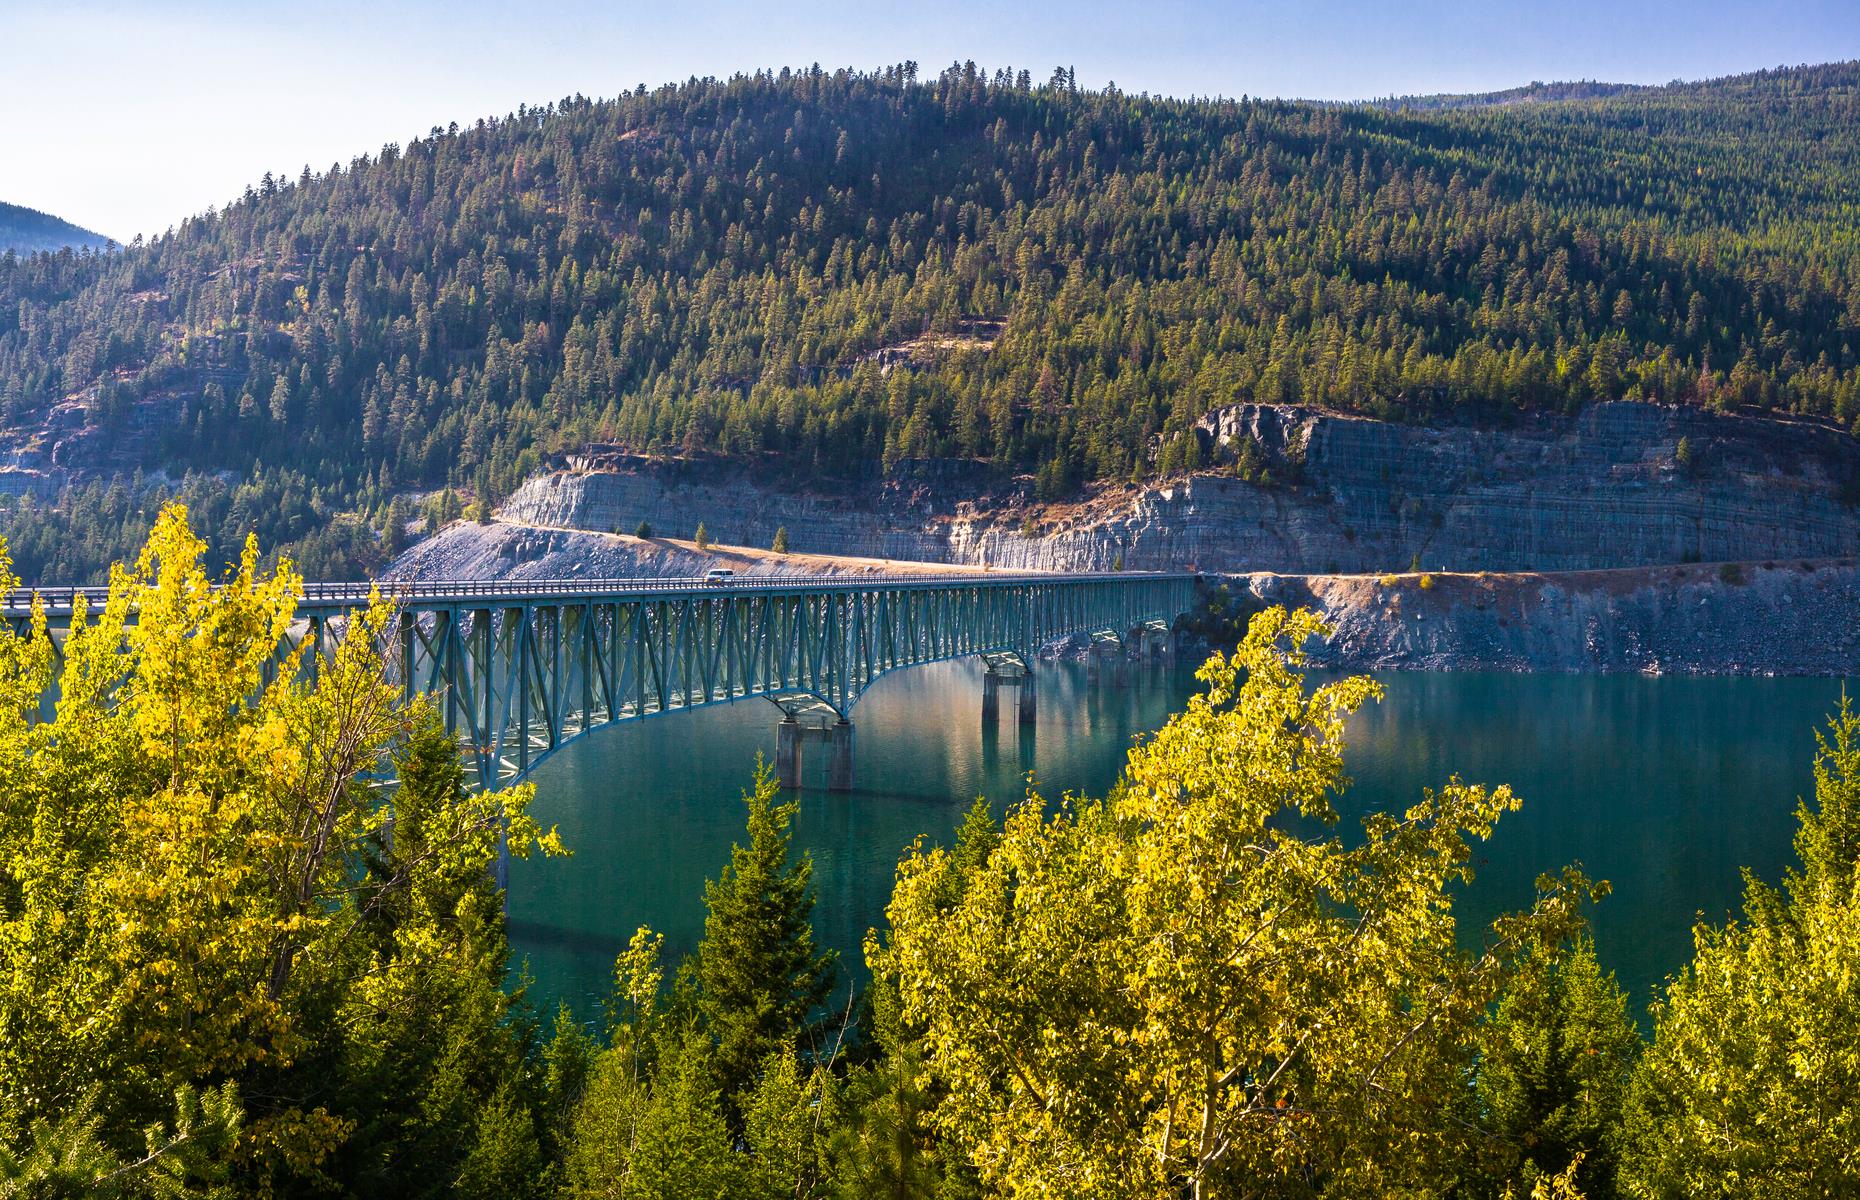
(324,597)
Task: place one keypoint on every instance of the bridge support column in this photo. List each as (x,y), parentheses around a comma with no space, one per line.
(1007,669)
(788,752)
(840,756)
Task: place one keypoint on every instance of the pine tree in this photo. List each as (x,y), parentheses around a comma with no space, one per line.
(702,537)
(780,545)
(757,977)
(1553,1066)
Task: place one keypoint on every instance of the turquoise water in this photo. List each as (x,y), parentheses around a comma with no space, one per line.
(1665,787)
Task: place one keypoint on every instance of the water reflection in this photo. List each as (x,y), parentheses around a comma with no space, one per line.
(1665,787)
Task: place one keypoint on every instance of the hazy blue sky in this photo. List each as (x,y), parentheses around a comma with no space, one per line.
(127,117)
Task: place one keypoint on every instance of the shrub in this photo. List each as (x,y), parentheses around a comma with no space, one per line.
(642,530)
(1427,583)
(1732,574)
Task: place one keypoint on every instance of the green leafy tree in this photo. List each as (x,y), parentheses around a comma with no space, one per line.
(1751,1085)
(1182,990)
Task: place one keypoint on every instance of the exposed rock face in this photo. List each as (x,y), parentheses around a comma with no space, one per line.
(1605,489)
(1794,618)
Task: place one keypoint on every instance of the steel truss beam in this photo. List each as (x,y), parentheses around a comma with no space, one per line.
(522,669)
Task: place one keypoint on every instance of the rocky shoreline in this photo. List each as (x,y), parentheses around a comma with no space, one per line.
(1770,618)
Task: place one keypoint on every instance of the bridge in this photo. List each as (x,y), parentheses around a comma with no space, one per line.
(520,669)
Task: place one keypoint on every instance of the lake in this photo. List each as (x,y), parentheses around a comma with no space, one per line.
(1663,786)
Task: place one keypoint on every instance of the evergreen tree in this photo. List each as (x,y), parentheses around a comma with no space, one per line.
(1554,1059)
(780,544)
(1751,1085)
(756,981)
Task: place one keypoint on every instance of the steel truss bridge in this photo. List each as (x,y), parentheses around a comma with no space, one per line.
(520,669)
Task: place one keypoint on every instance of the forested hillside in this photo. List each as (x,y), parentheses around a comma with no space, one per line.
(839,270)
(27,231)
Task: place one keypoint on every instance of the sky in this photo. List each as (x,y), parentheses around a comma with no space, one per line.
(129,117)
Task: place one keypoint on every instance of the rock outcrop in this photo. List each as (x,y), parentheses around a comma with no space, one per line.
(1326,494)
(1776,618)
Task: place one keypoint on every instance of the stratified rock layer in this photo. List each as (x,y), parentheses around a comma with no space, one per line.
(1605,489)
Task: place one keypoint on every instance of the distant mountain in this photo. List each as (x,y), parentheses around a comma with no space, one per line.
(25,230)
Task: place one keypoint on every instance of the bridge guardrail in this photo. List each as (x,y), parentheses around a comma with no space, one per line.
(62,599)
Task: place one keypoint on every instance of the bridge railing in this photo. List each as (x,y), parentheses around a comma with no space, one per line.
(62,599)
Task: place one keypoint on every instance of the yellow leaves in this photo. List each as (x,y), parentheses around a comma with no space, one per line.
(1117,972)
(187,837)
(296,1140)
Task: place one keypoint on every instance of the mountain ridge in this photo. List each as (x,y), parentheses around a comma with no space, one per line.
(28,231)
(839,271)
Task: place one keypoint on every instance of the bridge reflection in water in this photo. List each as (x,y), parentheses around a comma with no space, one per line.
(520,669)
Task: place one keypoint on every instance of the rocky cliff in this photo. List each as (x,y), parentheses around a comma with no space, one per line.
(1301,491)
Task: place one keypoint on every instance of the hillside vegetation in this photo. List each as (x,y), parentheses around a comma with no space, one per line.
(722,266)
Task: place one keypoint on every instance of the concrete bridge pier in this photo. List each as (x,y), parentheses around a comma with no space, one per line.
(791,734)
(788,752)
(840,756)
(1008,669)
(1106,643)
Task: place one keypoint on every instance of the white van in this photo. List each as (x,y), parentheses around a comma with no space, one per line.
(719,575)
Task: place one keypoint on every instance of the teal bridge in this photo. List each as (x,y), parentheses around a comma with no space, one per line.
(520,669)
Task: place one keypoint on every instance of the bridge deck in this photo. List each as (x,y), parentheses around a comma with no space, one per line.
(340,597)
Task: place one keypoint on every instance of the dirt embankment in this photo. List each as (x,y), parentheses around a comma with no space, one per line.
(503,550)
